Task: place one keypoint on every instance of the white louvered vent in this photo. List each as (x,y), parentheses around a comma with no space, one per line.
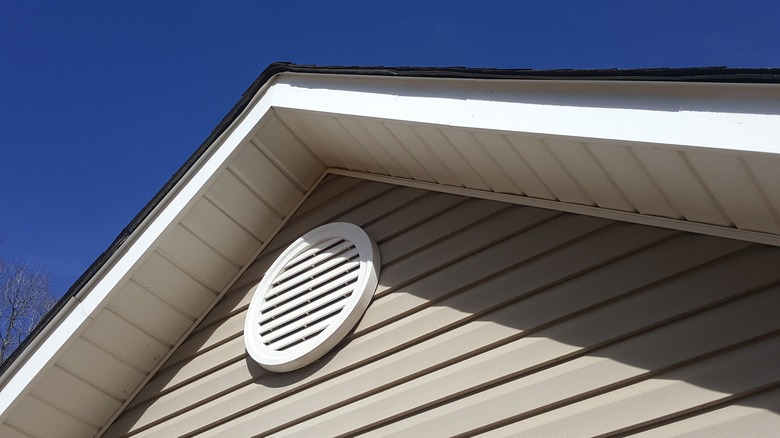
(311,297)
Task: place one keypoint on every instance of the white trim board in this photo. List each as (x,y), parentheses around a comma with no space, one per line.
(730,117)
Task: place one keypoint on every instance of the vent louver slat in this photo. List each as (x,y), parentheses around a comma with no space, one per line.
(321,254)
(302,334)
(313,250)
(311,279)
(303,304)
(307,294)
(311,297)
(304,318)
(303,326)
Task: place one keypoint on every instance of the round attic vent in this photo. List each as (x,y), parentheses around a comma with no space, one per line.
(311,297)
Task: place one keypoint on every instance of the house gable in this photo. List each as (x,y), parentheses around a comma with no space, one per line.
(644,152)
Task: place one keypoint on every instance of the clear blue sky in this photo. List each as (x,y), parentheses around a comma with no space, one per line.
(101,101)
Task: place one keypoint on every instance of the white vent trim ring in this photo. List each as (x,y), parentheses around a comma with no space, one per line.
(311,297)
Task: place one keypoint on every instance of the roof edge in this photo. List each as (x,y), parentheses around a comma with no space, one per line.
(688,74)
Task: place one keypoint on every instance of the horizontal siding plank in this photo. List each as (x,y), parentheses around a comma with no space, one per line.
(409,216)
(472,239)
(754,366)
(437,228)
(754,416)
(208,338)
(376,208)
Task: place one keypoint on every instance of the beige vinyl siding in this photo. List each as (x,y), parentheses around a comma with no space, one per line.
(496,319)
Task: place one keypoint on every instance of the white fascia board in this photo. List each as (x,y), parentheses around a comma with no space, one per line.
(96,294)
(676,114)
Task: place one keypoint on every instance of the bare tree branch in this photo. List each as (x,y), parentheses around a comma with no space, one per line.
(24,299)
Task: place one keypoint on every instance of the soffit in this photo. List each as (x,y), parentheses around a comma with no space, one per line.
(699,157)
(734,190)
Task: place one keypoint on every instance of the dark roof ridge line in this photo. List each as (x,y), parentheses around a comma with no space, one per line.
(656,74)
